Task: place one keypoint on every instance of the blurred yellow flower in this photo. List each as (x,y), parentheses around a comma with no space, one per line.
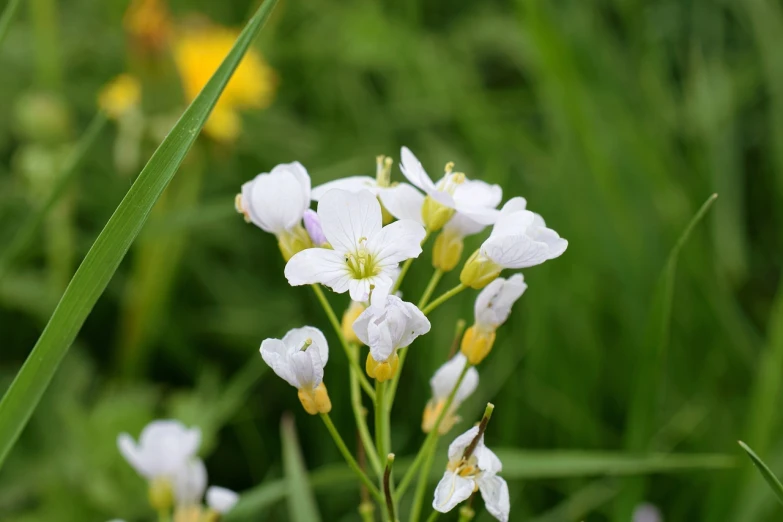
(198,51)
(120,95)
(148,23)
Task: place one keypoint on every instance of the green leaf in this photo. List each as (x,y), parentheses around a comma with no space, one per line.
(301,502)
(112,244)
(771,479)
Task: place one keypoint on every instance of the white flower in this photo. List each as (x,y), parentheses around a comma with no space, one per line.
(493,304)
(520,238)
(478,471)
(403,202)
(364,255)
(349,184)
(221,500)
(646,513)
(388,324)
(442,383)
(164,448)
(276,201)
(473,199)
(299,358)
(190,483)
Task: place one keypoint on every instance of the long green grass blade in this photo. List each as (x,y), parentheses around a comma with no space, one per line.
(644,402)
(8,15)
(107,252)
(301,502)
(24,237)
(772,480)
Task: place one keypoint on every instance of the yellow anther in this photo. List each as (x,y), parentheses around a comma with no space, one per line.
(315,401)
(449,167)
(477,343)
(382,371)
(240,207)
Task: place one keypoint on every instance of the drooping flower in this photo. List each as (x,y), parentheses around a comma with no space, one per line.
(299,359)
(388,324)
(198,51)
(276,202)
(364,254)
(221,500)
(492,308)
(164,447)
(468,471)
(453,193)
(442,384)
(519,239)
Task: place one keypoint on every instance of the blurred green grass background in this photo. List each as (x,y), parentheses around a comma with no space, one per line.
(616,119)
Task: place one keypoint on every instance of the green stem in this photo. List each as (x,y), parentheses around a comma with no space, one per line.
(433,284)
(443,298)
(421,486)
(26,234)
(387,488)
(372,488)
(382,436)
(407,264)
(46,31)
(338,329)
(433,517)
(360,413)
(431,441)
(8,15)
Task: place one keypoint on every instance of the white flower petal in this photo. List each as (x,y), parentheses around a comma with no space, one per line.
(494,302)
(416,323)
(515,251)
(359,289)
(445,378)
(351,184)
(513,224)
(298,336)
(514,205)
(403,202)
(135,457)
(276,201)
(307,368)
(481,215)
(458,445)
(478,193)
(494,491)
(388,325)
(276,354)
(411,168)
(379,340)
(347,218)
(646,513)
(451,490)
(463,226)
(318,265)
(554,242)
(221,500)
(190,483)
(468,386)
(164,446)
(396,242)
(488,462)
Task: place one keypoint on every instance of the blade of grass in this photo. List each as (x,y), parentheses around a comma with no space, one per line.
(70,170)
(112,244)
(772,480)
(8,15)
(642,417)
(301,502)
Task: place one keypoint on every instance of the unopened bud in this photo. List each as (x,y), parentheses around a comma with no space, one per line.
(315,401)
(447,250)
(479,271)
(431,414)
(382,371)
(293,241)
(161,495)
(476,344)
(435,214)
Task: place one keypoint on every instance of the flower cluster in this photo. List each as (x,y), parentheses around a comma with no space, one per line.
(166,456)
(361,240)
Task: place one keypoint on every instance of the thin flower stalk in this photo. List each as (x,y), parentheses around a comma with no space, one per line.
(407,265)
(360,413)
(443,298)
(431,286)
(387,487)
(431,441)
(338,440)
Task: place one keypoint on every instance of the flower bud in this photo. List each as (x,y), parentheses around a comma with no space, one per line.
(120,95)
(476,344)
(435,214)
(161,495)
(447,250)
(431,413)
(315,401)
(349,317)
(293,241)
(479,271)
(312,224)
(382,371)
